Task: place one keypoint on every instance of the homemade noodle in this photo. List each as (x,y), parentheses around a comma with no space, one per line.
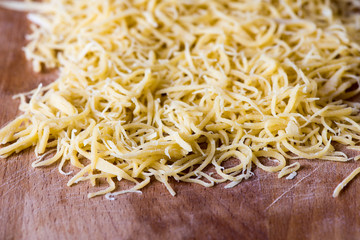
(176,89)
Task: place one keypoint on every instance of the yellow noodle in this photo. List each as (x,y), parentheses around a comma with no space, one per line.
(173,89)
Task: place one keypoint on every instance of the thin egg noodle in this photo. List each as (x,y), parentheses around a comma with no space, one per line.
(175,89)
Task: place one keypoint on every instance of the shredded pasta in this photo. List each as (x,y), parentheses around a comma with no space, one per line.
(169,89)
(292,168)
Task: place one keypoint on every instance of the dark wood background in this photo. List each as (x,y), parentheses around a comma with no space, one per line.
(37,204)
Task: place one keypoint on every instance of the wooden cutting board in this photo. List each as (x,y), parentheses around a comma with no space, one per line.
(37,204)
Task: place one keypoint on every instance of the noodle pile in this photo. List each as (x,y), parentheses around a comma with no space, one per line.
(174,89)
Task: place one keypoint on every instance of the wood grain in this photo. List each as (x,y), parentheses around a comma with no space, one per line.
(36,204)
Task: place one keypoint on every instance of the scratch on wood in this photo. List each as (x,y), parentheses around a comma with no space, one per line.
(13,184)
(292,187)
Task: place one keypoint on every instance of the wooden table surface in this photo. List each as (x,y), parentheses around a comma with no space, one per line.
(37,204)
